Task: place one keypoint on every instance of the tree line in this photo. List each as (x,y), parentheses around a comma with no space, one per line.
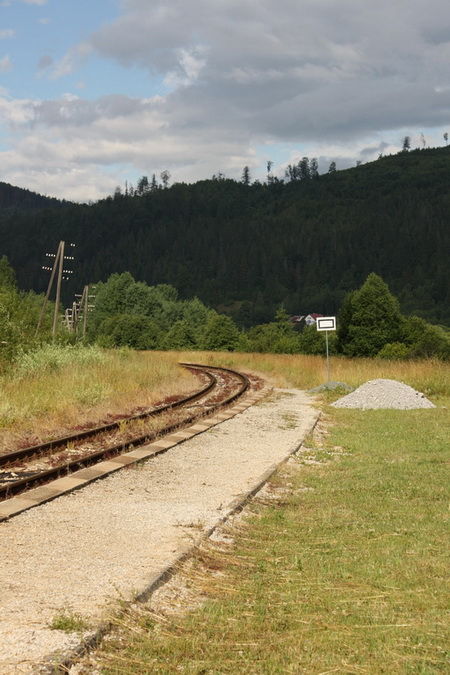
(245,249)
(129,313)
(370,324)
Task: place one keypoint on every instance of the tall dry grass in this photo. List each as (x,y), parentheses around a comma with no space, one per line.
(50,393)
(57,388)
(432,377)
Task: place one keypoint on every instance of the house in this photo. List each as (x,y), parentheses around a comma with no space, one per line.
(311,319)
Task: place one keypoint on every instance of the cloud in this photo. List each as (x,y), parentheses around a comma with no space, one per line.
(6,33)
(105,140)
(241,78)
(71,61)
(5,64)
(291,70)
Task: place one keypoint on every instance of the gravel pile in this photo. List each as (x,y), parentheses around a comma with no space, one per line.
(377,394)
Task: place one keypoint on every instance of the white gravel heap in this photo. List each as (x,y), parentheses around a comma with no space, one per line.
(377,394)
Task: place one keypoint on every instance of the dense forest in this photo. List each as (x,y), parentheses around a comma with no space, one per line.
(246,248)
(13,198)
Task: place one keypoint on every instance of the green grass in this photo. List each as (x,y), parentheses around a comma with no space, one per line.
(69,622)
(346,573)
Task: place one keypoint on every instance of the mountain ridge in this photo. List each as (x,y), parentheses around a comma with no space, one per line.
(304,243)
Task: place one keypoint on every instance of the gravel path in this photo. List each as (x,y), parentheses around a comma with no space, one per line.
(83,551)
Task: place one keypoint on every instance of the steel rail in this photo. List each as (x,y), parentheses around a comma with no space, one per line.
(10,489)
(39,449)
(241,376)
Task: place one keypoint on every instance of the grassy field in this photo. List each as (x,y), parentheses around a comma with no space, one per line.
(346,572)
(57,388)
(343,568)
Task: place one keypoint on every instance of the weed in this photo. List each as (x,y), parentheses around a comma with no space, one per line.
(82,387)
(69,622)
(290,421)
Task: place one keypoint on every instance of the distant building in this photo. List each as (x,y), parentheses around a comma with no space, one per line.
(308,319)
(311,319)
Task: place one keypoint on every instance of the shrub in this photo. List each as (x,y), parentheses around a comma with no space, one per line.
(130,330)
(425,340)
(220,333)
(52,357)
(394,351)
(313,341)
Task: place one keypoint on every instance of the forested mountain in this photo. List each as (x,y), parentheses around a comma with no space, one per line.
(248,247)
(12,198)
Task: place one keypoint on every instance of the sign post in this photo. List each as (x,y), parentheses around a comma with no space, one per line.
(326,323)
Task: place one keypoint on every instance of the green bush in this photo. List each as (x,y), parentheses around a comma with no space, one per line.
(425,340)
(394,351)
(313,341)
(52,357)
(220,333)
(130,330)
(180,336)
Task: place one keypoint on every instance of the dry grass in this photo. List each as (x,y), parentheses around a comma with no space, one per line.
(48,402)
(305,372)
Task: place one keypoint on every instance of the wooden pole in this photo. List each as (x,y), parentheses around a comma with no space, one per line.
(58,287)
(47,295)
(86,308)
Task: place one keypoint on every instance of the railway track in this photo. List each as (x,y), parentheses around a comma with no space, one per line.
(24,469)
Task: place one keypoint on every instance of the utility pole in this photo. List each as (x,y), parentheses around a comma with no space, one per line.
(82,308)
(58,286)
(58,266)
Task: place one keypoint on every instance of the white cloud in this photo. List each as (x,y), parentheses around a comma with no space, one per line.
(5,64)
(243,78)
(280,68)
(6,33)
(71,60)
(190,64)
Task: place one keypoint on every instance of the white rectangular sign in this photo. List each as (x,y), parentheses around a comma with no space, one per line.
(326,323)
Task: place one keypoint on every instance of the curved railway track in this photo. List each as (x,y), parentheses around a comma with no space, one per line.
(36,465)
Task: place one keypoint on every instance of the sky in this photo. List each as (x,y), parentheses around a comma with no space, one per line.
(97,93)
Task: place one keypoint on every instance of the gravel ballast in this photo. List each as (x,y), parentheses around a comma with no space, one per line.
(85,550)
(384,394)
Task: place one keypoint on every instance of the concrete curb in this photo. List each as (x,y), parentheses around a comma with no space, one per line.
(60,665)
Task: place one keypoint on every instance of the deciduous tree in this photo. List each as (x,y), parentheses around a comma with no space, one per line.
(371,319)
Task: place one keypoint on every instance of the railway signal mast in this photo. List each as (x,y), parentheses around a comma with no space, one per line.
(58,271)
